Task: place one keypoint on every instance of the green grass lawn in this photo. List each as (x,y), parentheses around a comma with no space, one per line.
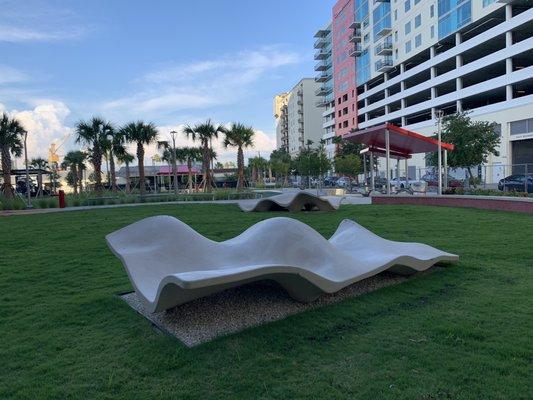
(462,332)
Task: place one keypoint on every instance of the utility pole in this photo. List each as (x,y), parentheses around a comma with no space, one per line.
(174,172)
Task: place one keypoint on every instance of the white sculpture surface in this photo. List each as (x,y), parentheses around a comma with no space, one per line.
(293,201)
(169,263)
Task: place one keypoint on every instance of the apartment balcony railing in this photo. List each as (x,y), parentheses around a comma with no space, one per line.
(382,1)
(300,102)
(321,43)
(300,92)
(356,51)
(323,66)
(300,111)
(323,91)
(355,24)
(324,77)
(384,31)
(384,49)
(322,55)
(384,65)
(356,36)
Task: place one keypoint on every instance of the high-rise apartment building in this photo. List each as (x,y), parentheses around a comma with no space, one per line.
(415,58)
(299,108)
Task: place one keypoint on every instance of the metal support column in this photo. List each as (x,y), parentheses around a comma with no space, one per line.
(446,169)
(372,180)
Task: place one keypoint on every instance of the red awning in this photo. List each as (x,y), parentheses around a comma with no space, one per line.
(402,141)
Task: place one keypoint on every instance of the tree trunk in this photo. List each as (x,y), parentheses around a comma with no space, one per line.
(97,166)
(189,172)
(175,171)
(128,178)
(240,168)
(113,172)
(80,178)
(206,167)
(6,169)
(74,171)
(39,183)
(142,178)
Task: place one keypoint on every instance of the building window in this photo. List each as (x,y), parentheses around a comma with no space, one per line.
(407,5)
(418,40)
(522,126)
(408,46)
(432,11)
(418,20)
(453,15)
(395,15)
(408,28)
(488,2)
(396,53)
(417,1)
(396,36)
(432,31)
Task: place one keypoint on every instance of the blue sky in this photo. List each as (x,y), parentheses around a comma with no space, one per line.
(171,62)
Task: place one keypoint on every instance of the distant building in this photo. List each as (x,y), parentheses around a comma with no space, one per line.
(302,115)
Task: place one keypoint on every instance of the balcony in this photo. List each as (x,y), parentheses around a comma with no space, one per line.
(300,111)
(384,31)
(322,33)
(323,91)
(300,102)
(384,49)
(384,65)
(320,43)
(356,51)
(322,55)
(323,66)
(382,1)
(356,36)
(355,25)
(323,77)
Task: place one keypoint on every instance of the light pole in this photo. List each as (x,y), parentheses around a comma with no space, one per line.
(174,172)
(28,191)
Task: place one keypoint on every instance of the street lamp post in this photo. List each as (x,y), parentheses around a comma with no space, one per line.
(439,168)
(28,191)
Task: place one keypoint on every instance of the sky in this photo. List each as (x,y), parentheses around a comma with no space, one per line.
(171,62)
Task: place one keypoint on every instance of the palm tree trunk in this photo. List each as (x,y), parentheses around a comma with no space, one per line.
(97,166)
(113,172)
(6,170)
(240,168)
(128,178)
(74,171)
(175,171)
(39,183)
(80,178)
(206,167)
(140,158)
(189,172)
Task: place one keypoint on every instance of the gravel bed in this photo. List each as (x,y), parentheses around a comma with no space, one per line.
(236,309)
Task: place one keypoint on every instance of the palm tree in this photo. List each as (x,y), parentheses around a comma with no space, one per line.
(189,155)
(126,158)
(114,145)
(40,164)
(74,161)
(142,134)
(94,134)
(204,133)
(258,165)
(11,143)
(240,136)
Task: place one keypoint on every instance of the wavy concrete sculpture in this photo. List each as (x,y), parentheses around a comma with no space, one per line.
(169,263)
(292,201)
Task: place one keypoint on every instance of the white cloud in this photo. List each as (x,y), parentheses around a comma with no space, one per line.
(207,83)
(35,20)
(45,123)
(11,75)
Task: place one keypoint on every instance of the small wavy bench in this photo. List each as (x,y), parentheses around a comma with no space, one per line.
(169,263)
(293,202)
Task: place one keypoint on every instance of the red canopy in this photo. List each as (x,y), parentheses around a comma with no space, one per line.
(402,142)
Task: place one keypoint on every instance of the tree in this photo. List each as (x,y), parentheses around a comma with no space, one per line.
(312,162)
(11,143)
(94,134)
(240,136)
(40,164)
(474,141)
(189,155)
(280,161)
(349,165)
(115,144)
(257,165)
(74,161)
(126,158)
(204,133)
(142,134)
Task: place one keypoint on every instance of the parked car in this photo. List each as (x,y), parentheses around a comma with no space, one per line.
(432,180)
(330,181)
(404,183)
(516,183)
(343,182)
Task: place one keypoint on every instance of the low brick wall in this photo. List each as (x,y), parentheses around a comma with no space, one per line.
(524,205)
